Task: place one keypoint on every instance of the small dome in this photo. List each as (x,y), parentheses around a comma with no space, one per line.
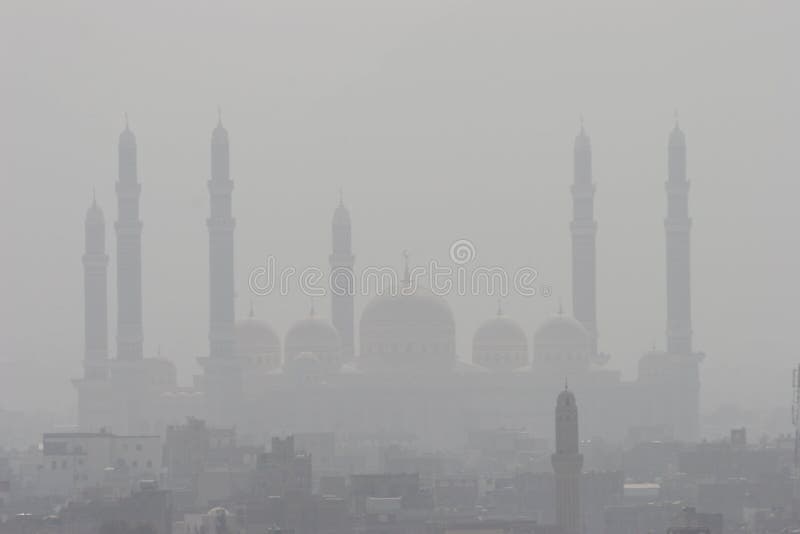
(562,344)
(566,399)
(127,138)
(316,336)
(220,135)
(257,342)
(582,141)
(500,344)
(677,137)
(341,216)
(94,215)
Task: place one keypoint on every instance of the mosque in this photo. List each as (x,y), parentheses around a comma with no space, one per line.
(399,377)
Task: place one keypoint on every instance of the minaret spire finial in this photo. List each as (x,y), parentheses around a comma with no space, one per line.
(406,273)
(581,120)
(566,383)
(94,197)
(219,115)
(341,197)
(127,127)
(252,312)
(311,311)
(499,306)
(675,114)
(560,307)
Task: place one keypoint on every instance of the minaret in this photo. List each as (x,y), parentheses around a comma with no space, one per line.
(342,280)
(95,288)
(220,249)
(129,252)
(678,225)
(567,464)
(583,229)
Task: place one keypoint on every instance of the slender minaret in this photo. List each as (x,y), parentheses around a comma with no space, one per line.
(129,252)
(583,229)
(342,280)
(678,225)
(95,288)
(567,464)
(220,249)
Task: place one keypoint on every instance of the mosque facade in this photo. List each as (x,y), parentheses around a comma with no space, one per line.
(398,374)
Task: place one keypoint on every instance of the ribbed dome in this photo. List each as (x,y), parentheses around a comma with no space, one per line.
(257,342)
(562,344)
(500,344)
(316,336)
(414,332)
(420,307)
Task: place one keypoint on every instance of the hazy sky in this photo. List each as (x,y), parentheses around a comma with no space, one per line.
(441,120)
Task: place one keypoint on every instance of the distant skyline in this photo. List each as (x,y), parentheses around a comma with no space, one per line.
(457,121)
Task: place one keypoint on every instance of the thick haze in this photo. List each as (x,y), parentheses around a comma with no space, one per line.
(440,120)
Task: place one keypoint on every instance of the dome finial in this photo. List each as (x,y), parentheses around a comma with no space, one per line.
(252,313)
(581,120)
(94,198)
(675,114)
(311,311)
(499,306)
(406,273)
(219,115)
(127,127)
(566,383)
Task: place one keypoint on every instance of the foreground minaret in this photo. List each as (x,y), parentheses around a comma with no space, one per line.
(95,293)
(93,388)
(583,229)
(220,249)
(677,226)
(129,252)
(342,280)
(567,464)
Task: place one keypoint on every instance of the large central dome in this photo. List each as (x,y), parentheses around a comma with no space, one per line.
(413,331)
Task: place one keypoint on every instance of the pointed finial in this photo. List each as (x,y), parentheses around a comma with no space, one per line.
(94,198)
(341,197)
(560,307)
(252,312)
(127,126)
(499,307)
(311,311)
(406,273)
(675,115)
(219,115)
(566,384)
(581,119)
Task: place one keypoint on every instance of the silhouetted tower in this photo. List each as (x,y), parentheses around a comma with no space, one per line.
(129,252)
(342,280)
(678,225)
(567,464)
(583,229)
(95,289)
(220,249)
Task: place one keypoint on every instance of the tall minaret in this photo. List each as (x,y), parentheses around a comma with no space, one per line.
(583,229)
(220,249)
(342,280)
(567,464)
(95,289)
(129,252)
(677,225)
